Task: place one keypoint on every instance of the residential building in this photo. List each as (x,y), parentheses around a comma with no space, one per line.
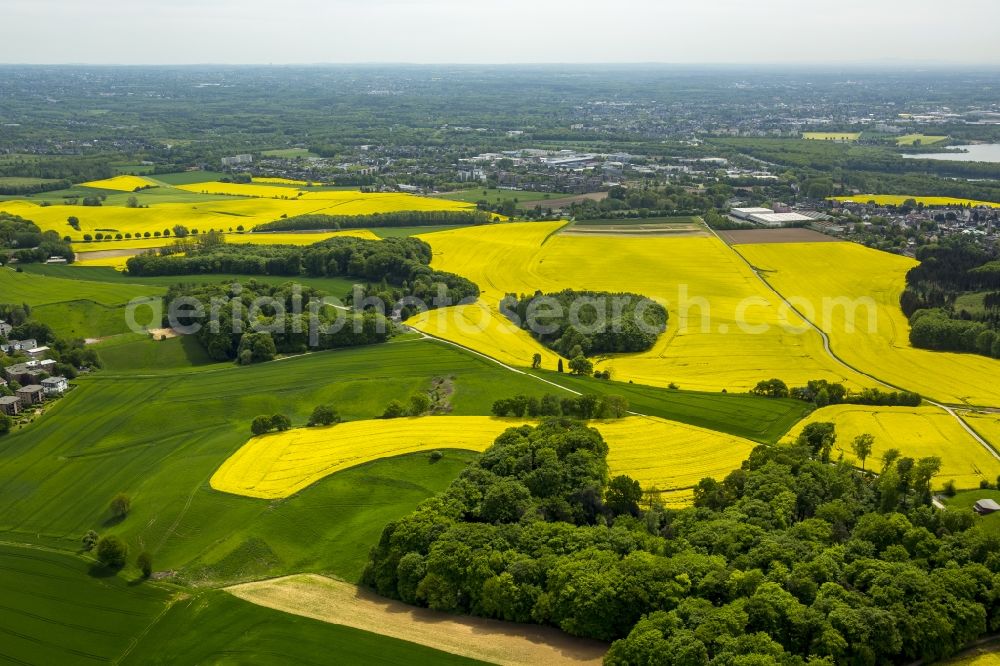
(986,506)
(54,386)
(37,352)
(33,394)
(13,346)
(5,329)
(30,372)
(10,405)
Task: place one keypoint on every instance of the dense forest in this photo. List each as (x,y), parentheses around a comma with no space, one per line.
(931,300)
(588,323)
(394,268)
(788,560)
(254,322)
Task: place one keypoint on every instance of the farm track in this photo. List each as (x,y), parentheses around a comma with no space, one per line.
(828,348)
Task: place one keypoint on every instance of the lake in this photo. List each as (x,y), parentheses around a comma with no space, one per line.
(982,152)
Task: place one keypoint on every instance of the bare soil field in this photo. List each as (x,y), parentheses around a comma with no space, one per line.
(550,204)
(111,254)
(334,601)
(637,230)
(794,235)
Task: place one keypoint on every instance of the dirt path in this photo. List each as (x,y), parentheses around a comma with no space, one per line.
(498,642)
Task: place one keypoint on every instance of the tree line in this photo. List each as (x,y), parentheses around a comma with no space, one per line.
(821,393)
(406,218)
(587,406)
(24,241)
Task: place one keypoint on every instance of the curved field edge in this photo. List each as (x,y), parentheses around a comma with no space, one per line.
(493,641)
(664,456)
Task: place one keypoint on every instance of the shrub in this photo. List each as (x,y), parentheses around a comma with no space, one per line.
(419,404)
(89,540)
(394,410)
(121,505)
(260,425)
(436,456)
(145,564)
(280,422)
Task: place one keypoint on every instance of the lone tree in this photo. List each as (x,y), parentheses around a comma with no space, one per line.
(623,495)
(560,366)
(111,552)
(280,422)
(324,415)
(5,424)
(536,361)
(145,564)
(89,540)
(121,505)
(260,425)
(581,366)
(394,410)
(862,446)
(419,404)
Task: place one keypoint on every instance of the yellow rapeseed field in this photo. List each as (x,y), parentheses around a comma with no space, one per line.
(120,183)
(220,215)
(811,274)
(692,276)
(662,455)
(987,425)
(918,433)
(279,181)
(899,199)
(832,136)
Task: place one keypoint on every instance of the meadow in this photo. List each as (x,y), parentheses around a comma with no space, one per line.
(964,501)
(915,432)
(709,345)
(54,611)
(900,199)
(494,195)
(665,457)
(808,273)
(924,139)
(233,631)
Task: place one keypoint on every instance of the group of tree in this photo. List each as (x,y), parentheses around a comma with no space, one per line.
(257,321)
(822,392)
(23,241)
(586,406)
(264,424)
(405,218)
(588,323)
(788,560)
(418,405)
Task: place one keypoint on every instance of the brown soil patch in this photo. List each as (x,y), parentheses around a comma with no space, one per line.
(794,235)
(634,230)
(112,254)
(549,204)
(162,333)
(498,642)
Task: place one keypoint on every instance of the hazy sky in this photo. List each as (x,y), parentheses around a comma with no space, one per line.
(493,31)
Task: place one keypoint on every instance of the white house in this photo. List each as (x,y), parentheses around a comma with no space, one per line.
(55,385)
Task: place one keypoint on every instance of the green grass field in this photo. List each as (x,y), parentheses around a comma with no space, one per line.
(140,353)
(133,169)
(18,181)
(160,437)
(103,274)
(52,611)
(402,232)
(189,177)
(965,499)
(233,631)
(760,419)
(57,609)
(494,195)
